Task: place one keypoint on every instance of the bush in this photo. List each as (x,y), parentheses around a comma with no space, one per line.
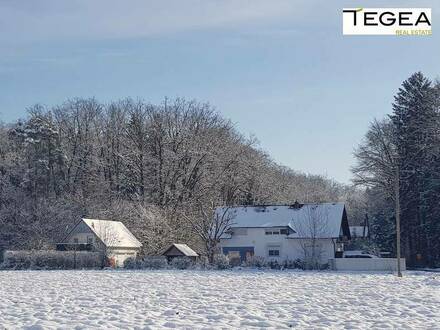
(48,259)
(156,262)
(314,265)
(150,262)
(256,262)
(16,260)
(274,264)
(131,263)
(202,262)
(221,261)
(293,264)
(325,266)
(181,263)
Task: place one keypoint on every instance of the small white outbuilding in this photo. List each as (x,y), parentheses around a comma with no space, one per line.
(109,237)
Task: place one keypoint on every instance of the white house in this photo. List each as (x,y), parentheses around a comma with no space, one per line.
(286,232)
(110,237)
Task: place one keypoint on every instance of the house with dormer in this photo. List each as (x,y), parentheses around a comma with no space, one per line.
(286,232)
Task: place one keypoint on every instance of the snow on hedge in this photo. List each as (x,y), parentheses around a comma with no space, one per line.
(207,299)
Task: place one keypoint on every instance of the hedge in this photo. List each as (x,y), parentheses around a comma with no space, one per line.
(50,259)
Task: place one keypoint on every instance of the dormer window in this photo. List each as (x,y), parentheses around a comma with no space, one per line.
(281,231)
(272,231)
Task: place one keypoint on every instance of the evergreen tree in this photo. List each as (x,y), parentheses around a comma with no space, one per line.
(415,120)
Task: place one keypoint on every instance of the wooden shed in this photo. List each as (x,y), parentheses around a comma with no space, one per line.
(179,251)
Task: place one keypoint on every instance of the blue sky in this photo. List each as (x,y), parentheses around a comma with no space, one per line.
(280,70)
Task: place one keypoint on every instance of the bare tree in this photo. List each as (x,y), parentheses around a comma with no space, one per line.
(152,225)
(311,229)
(211,223)
(376,158)
(154,165)
(378,166)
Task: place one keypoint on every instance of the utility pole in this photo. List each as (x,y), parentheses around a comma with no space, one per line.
(397,200)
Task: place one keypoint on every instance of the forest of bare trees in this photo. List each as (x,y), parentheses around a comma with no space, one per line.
(158,168)
(162,170)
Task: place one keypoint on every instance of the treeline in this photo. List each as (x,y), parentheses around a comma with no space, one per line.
(402,152)
(147,165)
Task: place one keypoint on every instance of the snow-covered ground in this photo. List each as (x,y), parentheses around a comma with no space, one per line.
(223,299)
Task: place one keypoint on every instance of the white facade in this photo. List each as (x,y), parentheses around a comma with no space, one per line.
(265,246)
(120,255)
(313,231)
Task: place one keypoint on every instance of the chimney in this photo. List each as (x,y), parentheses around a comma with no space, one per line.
(296,205)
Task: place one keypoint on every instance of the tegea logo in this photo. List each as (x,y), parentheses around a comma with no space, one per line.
(386,21)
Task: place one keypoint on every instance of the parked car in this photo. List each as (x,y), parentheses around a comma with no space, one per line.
(358,254)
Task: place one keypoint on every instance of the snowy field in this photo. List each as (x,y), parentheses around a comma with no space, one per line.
(227,299)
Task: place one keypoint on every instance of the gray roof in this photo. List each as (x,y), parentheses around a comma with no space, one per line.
(323,219)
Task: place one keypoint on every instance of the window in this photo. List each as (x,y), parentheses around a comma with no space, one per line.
(272,232)
(283,231)
(273,250)
(75,240)
(89,240)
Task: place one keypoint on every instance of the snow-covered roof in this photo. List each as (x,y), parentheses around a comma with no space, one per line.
(185,249)
(321,220)
(112,233)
